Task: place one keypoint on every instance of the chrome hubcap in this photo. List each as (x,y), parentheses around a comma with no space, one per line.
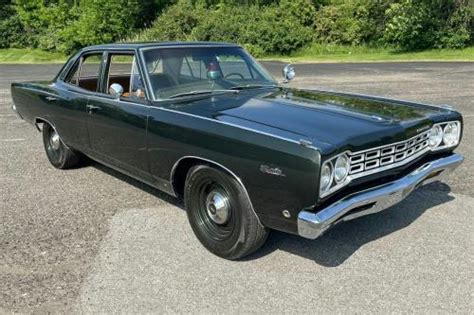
(218,207)
(54,140)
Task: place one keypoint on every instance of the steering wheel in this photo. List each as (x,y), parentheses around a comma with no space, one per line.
(234,73)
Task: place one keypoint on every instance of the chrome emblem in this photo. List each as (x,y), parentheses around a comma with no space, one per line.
(271,170)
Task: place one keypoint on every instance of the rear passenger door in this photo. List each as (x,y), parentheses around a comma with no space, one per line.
(74,88)
(117,126)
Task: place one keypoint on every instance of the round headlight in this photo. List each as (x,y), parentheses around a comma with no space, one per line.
(326,177)
(341,168)
(451,134)
(436,136)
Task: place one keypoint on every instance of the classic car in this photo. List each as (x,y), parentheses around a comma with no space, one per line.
(207,123)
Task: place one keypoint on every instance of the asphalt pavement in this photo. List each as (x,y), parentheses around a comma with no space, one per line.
(92,240)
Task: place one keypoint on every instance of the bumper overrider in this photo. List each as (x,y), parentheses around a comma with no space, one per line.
(313,224)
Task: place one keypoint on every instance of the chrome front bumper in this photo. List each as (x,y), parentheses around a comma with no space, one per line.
(312,225)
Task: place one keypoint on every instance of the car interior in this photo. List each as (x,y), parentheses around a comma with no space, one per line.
(123,71)
(170,72)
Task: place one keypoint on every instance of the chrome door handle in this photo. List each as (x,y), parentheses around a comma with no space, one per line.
(92,108)
(51,98)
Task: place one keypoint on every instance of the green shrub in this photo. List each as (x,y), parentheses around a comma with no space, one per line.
(351,22)
(228,24)
(175,23)
(417,24)
(261,30)
(271,30)
(254,50)
(303,10)
(279,33)
(11,30)
(458,30)
(410,25)
(262,26)
(99,21)
(65,25)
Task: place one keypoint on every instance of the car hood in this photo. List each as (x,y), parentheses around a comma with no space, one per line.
(330,121)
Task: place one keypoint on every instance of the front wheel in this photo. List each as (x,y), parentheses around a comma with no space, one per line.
(220,213)
(58,153)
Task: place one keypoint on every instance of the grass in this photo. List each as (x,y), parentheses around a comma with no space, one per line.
(314,53)
(338,53)
(14,55)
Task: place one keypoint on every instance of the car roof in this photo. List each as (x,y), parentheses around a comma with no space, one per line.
(139,45)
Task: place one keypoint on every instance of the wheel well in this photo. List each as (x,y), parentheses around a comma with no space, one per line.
(182,167)
(180,172)
(38,122)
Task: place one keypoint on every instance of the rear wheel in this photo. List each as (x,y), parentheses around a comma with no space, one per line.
(59,155)
(220,213)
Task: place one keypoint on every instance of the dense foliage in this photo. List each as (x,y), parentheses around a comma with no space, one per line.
(263,26)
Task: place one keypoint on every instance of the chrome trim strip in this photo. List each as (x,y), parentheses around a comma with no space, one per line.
(173,169)
(313,224)
(164,46)
(393,143)
(101,98)
(236,126)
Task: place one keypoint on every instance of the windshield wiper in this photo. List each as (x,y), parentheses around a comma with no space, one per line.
(253,86)
(202,92)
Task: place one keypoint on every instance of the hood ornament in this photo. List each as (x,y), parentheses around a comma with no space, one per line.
(305,143)
(377,118)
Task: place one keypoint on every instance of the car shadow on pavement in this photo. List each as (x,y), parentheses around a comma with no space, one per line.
(339,243)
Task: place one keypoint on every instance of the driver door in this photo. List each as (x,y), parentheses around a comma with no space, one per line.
(117,125)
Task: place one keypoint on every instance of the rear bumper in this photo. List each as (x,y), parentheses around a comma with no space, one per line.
(312,225)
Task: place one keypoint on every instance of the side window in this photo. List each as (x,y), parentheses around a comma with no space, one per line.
(123,70)
(85,72)
(73,75)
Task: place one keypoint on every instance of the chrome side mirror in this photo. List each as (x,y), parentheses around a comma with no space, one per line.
(288,73)
(116,90)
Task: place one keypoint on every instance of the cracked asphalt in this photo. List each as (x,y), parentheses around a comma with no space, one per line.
(90,240)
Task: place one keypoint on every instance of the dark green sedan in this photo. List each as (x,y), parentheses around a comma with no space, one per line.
(207,123)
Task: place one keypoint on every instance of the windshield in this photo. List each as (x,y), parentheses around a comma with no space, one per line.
(177,72)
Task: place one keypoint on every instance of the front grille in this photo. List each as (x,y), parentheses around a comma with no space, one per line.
(388,156)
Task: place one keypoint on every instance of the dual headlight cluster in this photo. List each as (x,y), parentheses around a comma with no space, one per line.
(444,135)
(334,174)
(335,171)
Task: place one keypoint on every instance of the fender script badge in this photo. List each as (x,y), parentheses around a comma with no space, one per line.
(422,129)
(271,170)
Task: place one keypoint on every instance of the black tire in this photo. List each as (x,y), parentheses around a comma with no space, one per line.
(237,232)
(59,155)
